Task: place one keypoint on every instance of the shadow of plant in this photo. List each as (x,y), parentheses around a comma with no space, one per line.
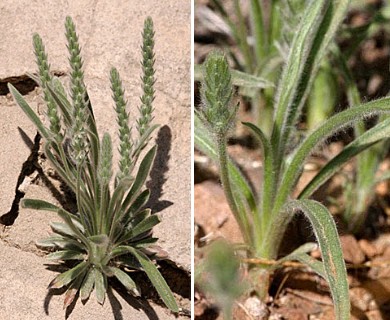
(159,170)
(116,306)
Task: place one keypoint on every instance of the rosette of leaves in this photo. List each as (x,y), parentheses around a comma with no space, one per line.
(112,228)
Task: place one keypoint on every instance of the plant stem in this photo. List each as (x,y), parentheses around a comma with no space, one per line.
(260,277)
(225,180)
(273,237)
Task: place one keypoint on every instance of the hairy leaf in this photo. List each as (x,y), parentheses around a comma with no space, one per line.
(156,279)
(87,285)
(328,240)
(68,276)
(125,279)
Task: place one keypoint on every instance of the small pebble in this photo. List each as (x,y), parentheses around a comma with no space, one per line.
(256,308)
(368,249)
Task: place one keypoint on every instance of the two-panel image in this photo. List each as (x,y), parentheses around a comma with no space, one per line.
(195,159)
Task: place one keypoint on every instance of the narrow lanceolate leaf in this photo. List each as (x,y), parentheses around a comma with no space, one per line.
(104,174)
(39,205)
(50,242)
(136,207)
(138,203)
(68,276)
(119,251)
(139,217)
(62,228)
(61,101)
(157,280)
(73,289)
(60,242)
(28,111)
(328,240)
(268,177)
(141,177)
(315,265)
(240,79)
(66,255)
(100,286)
(305,39)
(116,200)
(259,32)
(129,262)
(67,176)
(303,249)
(125,279)
(142,227)
(334,124)
(301,254)
(361,143)
(67,217)
(143,141)
(87,285)
(105,165)
(319,36)
(242,34)
(146,242)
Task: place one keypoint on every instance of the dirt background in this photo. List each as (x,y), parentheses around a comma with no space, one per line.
(110,35)
(297,293)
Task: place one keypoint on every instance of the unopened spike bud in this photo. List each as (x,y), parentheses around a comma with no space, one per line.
(217,110)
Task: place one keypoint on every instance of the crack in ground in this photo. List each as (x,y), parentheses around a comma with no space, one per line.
(24,83)
(28,168)
(13,244)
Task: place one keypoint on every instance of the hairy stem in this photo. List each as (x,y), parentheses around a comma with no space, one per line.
(224,173)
